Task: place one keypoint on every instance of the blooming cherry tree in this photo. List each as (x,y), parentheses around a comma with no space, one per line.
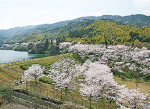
(114,53)
(62,72)
(95,77)
(33,72)
(96,80)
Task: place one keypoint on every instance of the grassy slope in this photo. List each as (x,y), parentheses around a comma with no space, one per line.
(8,76)
(131,84)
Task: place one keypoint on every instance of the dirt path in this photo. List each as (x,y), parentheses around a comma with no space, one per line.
(7,105)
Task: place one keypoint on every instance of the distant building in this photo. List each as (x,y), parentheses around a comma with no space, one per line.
(6,45)
(65,44)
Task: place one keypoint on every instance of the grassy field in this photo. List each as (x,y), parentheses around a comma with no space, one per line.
(131,84)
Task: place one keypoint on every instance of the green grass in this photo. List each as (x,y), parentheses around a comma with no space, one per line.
(8,76)
(131,84)
(46,80)
(46,62)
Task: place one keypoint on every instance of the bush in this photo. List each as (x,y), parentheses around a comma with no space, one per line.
(147,77)
(117,73)
(78,58)
(102,100)
(25,66)
(46,80)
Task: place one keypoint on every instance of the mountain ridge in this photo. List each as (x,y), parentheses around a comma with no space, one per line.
(138,19)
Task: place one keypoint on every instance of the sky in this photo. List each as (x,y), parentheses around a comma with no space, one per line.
(14,13)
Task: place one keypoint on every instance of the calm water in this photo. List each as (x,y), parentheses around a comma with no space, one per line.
(7,56)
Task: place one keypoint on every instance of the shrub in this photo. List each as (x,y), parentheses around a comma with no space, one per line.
(25,66)
(78,58)
(117,73)
(46,80)
(147,77)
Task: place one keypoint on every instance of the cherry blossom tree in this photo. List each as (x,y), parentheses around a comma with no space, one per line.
(126,53)
(86,49)
(62,72)
(63,46)
(33,72)
(114,53)
(96,80)
(95,77)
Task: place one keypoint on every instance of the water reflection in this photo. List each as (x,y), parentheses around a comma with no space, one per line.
(7,56)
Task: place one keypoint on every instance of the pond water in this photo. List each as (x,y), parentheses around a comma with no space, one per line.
(7,56)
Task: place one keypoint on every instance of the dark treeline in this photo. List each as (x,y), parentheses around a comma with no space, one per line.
(43,48)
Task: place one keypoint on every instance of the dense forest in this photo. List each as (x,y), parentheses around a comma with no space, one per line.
(108,32)
(40,32)
(52,34)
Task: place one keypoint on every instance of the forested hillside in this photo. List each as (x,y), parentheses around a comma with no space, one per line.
(5,34)
(138,19)
(108,32)
(93,69)
(44,32)
(15,34)
(54,30)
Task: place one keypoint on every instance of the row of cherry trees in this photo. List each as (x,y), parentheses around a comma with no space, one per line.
(113,52)
(122,57)
(94,78)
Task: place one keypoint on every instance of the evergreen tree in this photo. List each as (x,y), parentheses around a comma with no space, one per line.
(39,48)
(46,44)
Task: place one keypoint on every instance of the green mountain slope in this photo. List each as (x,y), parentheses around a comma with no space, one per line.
(108,32)
(43,32)
(53,30)
(138,19)
(5,34)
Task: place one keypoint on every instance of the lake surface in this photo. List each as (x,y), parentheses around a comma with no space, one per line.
(7,56)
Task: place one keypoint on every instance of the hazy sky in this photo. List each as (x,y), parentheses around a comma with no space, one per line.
(15,13)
